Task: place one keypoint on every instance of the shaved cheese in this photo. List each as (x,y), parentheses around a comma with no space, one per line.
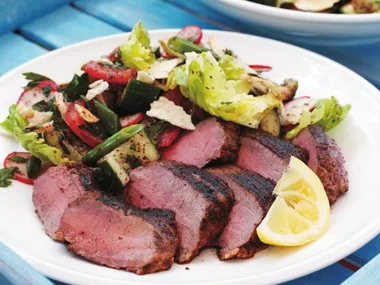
(86,114)
(39,118)
(96,88)
(160,69)
(145,77)
(216,46)
(166,110)
(104,60)
(61,103)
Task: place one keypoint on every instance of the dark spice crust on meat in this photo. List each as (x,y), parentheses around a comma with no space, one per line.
(201,180)
(258,185)
(230,146)
(262,188)
(164,220)
(281,147)
(215,191)
(330,171)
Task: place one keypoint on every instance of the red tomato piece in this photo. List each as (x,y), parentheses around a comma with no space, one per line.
(79,126)
(130,120)
(168,136)
(191,33)
(20,174)
(109,74)
(175,96)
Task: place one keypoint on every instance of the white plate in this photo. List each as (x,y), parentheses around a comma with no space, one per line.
(355,217)
(302,27)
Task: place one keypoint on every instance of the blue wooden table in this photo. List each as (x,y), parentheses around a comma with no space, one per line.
(30,28)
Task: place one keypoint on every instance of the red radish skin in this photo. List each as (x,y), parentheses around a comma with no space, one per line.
(130,120)
(114,55)
(294,109)
(31,96)
(109,74)
(76,123)
(20,174)
(168,136)
(191,33)
(260,67)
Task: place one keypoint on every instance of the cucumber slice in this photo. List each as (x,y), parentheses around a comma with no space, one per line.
(57,140)
(137,151)
(271,123)
(137,97)
(115,169)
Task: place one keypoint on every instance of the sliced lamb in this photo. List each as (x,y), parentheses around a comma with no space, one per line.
(55,189)
(106,230)
(200,200)
(326,160)
(212,140)
(267,155)
(253,197)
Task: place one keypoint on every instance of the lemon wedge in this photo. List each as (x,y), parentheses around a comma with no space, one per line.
(301,212)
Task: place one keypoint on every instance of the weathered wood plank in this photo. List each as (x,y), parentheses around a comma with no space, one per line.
(155,14)
(15,50)
(368,275)
(66,26)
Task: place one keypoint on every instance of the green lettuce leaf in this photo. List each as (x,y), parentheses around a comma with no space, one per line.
(231,66)
(327,113)
(210,90)
(180,75)
(31,141)
(136,52)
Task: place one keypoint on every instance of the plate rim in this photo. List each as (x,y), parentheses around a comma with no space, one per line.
(304,16)
(322,260)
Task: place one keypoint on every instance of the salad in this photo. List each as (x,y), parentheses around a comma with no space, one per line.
(150,94)
(326,6)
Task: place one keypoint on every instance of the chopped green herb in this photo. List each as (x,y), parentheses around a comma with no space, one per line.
(17,158)
(133,147)
(59,123)
(77,86)
(43,106)
(5,175)
(34,79)
(46,90)
(155,129)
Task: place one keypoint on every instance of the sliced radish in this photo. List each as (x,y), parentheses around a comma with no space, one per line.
(168,136)
(22,158)
(191,33)
(130,120)
(291,112)
(260,68)
(31,96)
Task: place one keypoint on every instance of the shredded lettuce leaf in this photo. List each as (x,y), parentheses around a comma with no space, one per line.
(209,89)
(136,52)
(327,113)
(15,124)
(231,67)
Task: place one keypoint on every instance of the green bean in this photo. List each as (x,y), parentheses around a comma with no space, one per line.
(109,144)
